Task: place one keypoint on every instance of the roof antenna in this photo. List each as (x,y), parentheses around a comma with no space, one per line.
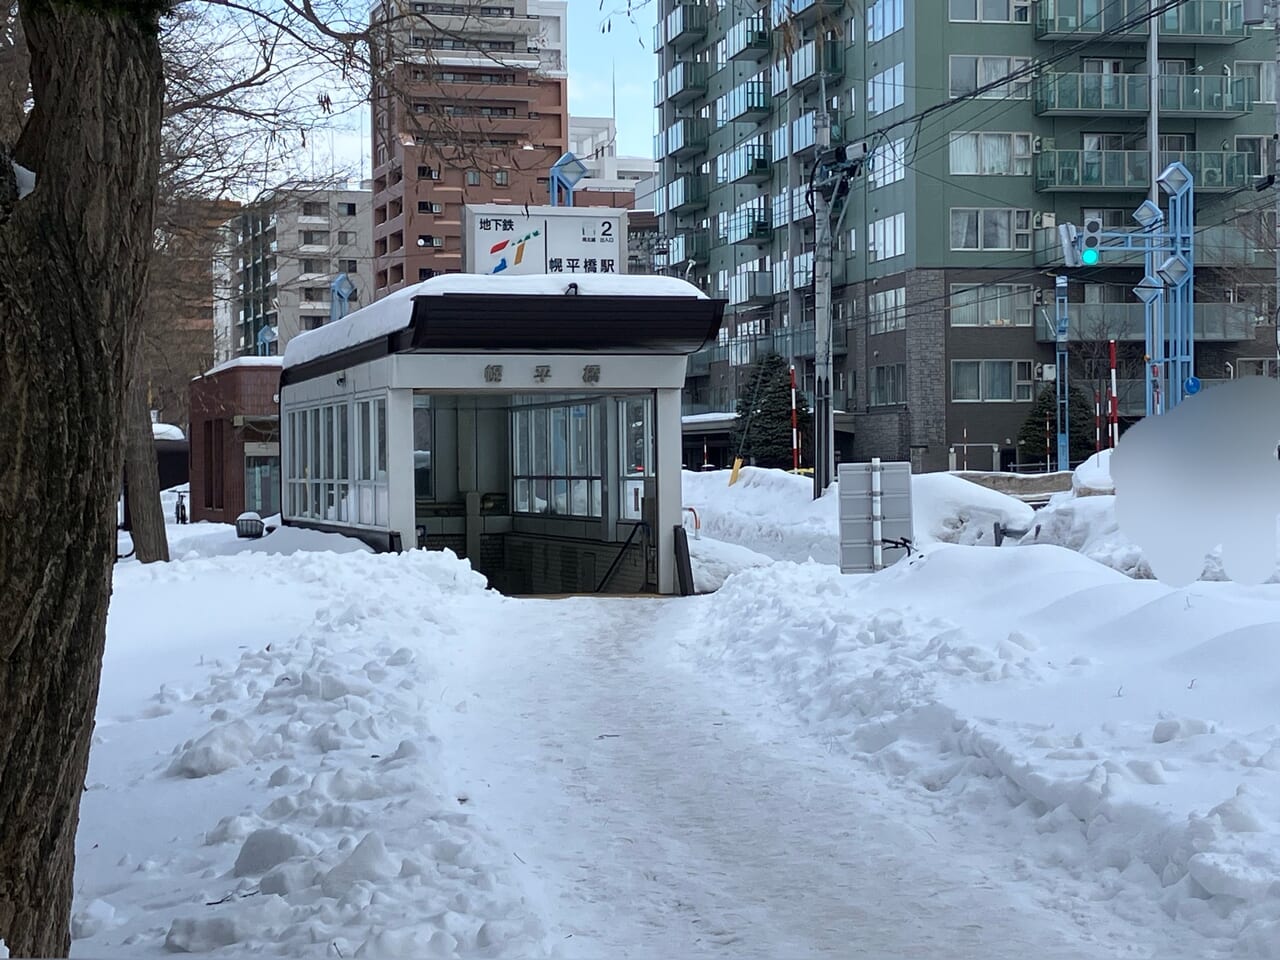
(571,290)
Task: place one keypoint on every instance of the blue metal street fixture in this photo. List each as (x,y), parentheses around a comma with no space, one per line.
(565,174)
(1168,284)
(1060,374)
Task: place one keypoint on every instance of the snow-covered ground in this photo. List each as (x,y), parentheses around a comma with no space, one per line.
(1083,519)
(773,512)
(976,753)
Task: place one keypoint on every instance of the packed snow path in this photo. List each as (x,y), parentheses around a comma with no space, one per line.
(660,813)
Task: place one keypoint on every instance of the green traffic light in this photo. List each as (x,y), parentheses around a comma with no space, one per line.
(1089,257)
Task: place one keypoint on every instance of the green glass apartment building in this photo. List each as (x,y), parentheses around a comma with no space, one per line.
(944,263)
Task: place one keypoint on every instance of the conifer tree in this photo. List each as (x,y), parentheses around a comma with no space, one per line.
(762,434)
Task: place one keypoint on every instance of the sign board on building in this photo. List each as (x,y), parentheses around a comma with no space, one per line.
(875,515)
(506,239)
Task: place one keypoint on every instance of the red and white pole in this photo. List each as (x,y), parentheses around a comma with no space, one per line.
(1115,398)
(1097,421)
(795,424)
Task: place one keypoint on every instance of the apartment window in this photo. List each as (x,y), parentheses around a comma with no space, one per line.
(346,236)
(884,17)
(313,266)
(347,209)
(888,164)
(502,178)
(313,294)
(1256,147)
(887,310)
(990,11)
(348,266)
(313,238)
(424,206)
(991,154)
(473,178)
(990,228)
(1113,218)
(969,74)
(1262,78)
(886,90)
(558,460)
(313,323)
(991,381)
(993,305)
(887,237)
(888,384)
(315,210)
(425,273)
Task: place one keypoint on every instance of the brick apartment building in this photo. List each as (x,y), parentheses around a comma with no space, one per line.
(469,106)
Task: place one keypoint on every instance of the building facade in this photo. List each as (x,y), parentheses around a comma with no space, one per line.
(944,264)
(274,274)
(469,106)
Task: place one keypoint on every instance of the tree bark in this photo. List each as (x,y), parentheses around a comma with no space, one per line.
(146,514)
(73,263)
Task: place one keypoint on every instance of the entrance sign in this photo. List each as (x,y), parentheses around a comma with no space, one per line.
(509,239)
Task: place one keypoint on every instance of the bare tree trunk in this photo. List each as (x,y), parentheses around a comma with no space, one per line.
(73,263)
(146,515)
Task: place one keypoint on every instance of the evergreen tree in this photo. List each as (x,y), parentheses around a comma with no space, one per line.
(1080,428)
(762,434)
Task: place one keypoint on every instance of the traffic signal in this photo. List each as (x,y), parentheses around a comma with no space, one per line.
(1091,242)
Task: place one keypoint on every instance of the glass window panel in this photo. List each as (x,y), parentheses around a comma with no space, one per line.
(964,229)
(964,153)
(313,417)
(422,446)
(996,232)
(382,440)
(522,496)
(524,464)
(964,9)
(596,470)
(541,494)
(344,502)
(580,436)
(344,442)
(560,497)
(966,381)
(579,504)
(540,450)
(998,377)
(997,10)
(964,75)
(329,441)
(366,445)
(596,489)
(559,441)
(383,516)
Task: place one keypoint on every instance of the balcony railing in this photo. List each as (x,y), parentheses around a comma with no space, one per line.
(1199,21)
(747,101)
(782,10)
(687,80)
(686,24)
(687,193)
(1130,170)
(749,226)
(1133,395)
(748,40)
(1190,95)
(1214,322)
(688,136)
(683,247)
(749,164)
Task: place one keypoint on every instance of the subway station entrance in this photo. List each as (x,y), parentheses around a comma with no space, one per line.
(530,425)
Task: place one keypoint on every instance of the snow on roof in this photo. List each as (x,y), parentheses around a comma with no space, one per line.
(167,431)
(709,417)
(244,362)
(395,311)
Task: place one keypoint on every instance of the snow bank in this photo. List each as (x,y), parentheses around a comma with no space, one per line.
(294,800)
(394,312)
(773,512)
(715,561)
(1093,477)
(1122,734)
(1084,520)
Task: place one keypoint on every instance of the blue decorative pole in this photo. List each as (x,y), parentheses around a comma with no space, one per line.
(1064,394)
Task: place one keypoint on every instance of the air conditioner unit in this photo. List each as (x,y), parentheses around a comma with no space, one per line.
(1046,219)
(437,208)
(1036,145)
(1048,372)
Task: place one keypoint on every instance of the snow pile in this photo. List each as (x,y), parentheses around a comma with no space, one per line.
(773,512)
(715,561)
(1093,477)
(1120,731)
(1084,520)
(167,431)
(303,807)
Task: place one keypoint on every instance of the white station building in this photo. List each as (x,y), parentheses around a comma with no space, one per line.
(531,424)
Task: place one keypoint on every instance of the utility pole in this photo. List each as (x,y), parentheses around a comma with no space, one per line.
(823,415)
(1153,114)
